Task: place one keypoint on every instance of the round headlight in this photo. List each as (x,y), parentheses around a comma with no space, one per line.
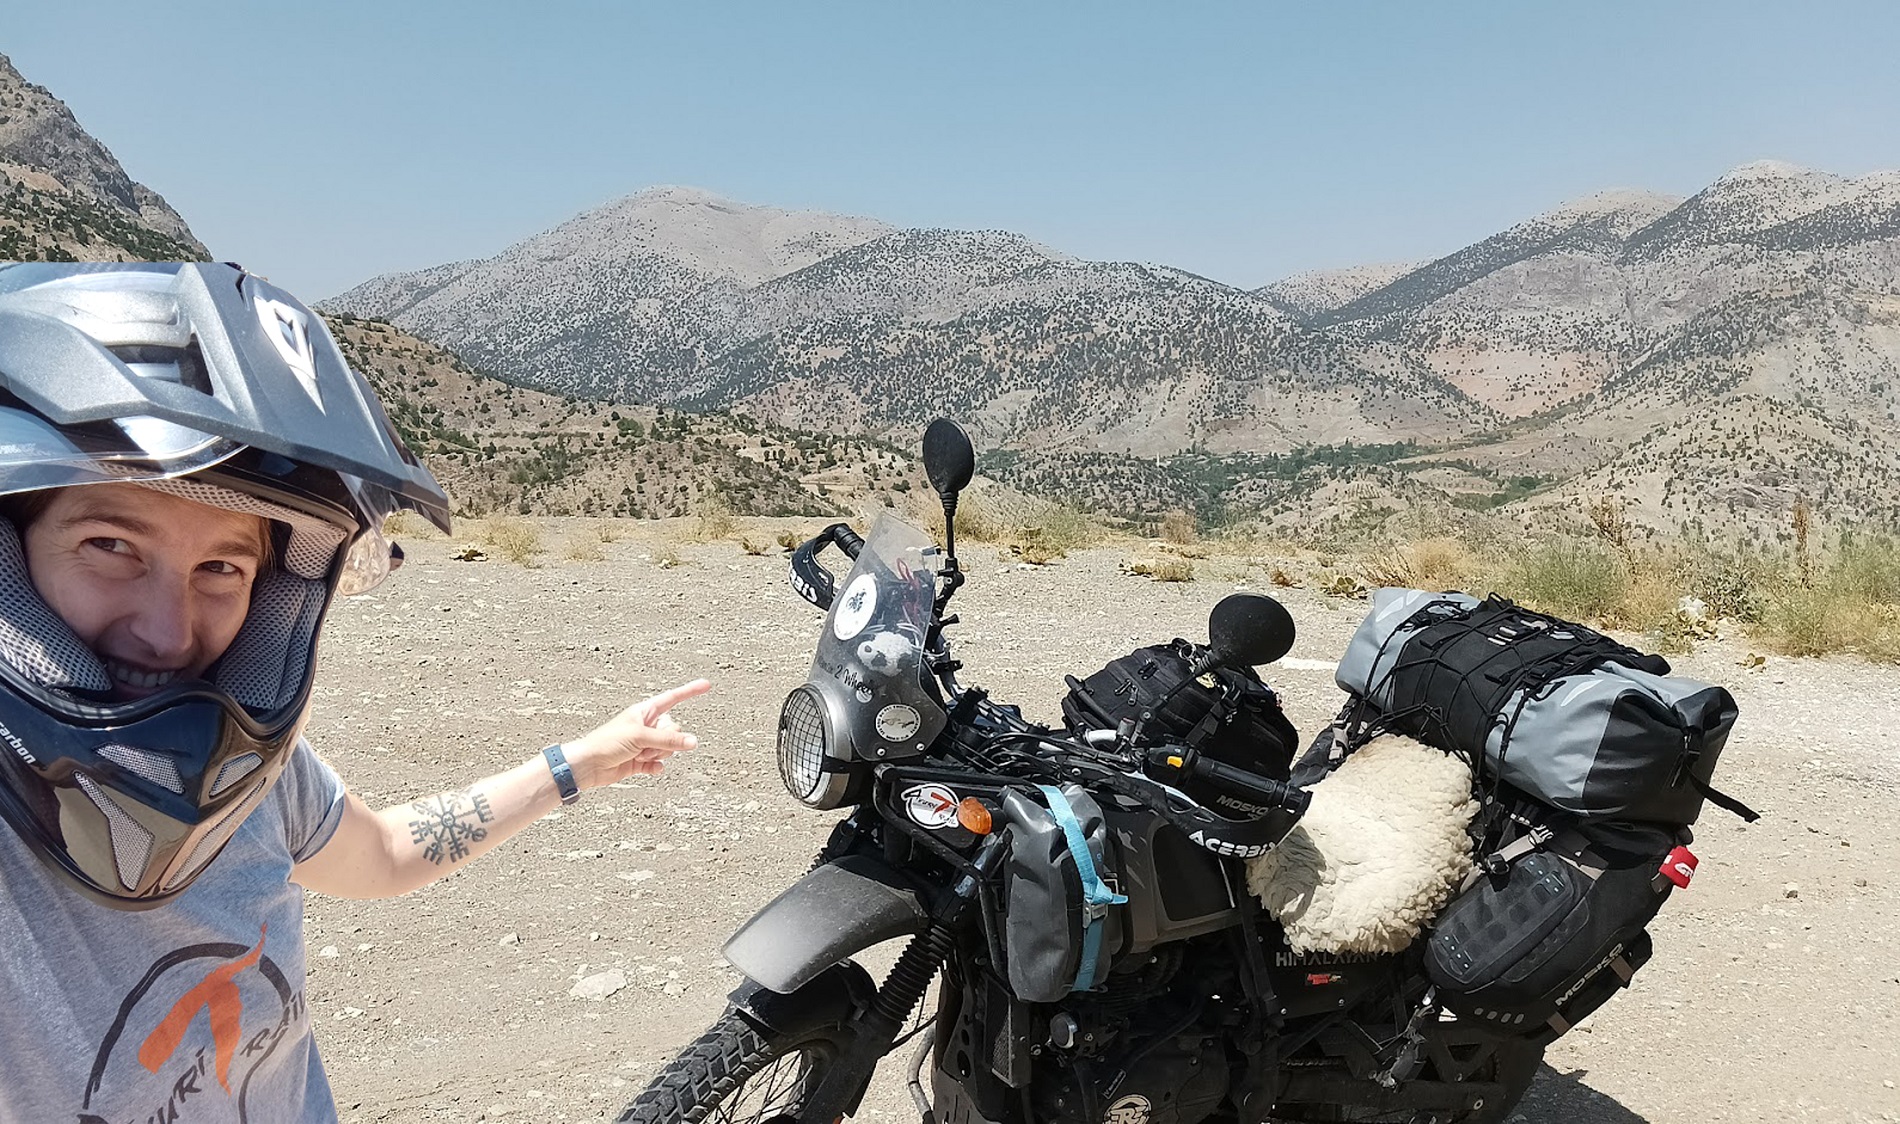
(802,736)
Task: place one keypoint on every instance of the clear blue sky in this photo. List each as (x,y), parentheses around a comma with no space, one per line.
(325,142)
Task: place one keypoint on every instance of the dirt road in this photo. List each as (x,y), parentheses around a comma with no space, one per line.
(1774,995)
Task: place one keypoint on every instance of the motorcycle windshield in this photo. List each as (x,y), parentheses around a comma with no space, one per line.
(870,660)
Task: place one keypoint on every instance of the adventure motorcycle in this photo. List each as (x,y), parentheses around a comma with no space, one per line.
(1186,1003)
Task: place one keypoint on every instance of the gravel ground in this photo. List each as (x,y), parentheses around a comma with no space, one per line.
(1774,994)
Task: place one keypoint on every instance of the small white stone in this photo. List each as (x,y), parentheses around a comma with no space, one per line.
(599,985)
(328,952)
(510,939)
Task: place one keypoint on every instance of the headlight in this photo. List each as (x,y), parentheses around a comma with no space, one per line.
(811,761)
(801,743)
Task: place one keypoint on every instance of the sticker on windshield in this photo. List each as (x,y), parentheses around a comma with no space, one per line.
(855,607)
(898,723)
(931,805)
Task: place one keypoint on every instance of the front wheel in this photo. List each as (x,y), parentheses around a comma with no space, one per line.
(737,1073)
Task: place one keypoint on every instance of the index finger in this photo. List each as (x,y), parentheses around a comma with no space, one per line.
(666,700)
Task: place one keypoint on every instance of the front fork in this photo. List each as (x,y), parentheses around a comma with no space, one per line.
(873,1033)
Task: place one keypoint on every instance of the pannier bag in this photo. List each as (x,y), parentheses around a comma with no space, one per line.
(1248,732)
(1549,936)
(1060,924)
(1561,712)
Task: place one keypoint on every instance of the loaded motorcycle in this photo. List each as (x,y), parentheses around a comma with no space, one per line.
(1078,894)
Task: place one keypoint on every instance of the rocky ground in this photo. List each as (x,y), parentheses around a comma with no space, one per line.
(551,980)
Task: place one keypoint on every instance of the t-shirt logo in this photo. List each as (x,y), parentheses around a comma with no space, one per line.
(223,1005)
(202,1031)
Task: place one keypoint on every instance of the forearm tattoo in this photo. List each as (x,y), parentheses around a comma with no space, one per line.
(448,823)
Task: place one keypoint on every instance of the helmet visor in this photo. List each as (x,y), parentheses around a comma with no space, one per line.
(36,454)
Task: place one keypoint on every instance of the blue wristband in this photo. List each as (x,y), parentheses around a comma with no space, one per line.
(563,774)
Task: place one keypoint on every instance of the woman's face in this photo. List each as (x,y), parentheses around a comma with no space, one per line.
(157,586)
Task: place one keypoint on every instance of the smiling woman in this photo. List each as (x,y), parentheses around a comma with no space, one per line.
(191,473)
(156,585)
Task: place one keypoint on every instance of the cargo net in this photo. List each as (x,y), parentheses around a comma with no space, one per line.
(1465,672)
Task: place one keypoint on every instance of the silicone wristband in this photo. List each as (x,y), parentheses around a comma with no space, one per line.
(563,774)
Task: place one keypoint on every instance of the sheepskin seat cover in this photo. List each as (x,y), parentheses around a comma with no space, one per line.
(1377,854)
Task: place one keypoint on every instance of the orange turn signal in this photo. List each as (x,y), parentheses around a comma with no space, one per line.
(974,816)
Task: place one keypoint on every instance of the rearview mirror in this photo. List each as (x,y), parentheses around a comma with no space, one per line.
(949,458)
(1247,629)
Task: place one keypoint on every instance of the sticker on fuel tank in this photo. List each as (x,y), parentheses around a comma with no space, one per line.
(1132,1109)
(931,805)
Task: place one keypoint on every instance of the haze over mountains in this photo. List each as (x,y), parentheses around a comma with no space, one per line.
(1715,356)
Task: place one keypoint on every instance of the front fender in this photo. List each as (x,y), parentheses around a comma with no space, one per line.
(839,909)
(833,998)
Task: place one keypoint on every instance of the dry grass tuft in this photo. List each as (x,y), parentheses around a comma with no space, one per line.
(514,539)
(753,545)
(1167,569)
(666,557)
(1178,527)
(713,520)
(609,530)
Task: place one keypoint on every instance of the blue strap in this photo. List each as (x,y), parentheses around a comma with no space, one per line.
(1096,894)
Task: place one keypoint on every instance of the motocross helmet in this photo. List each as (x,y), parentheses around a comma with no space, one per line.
(204,382)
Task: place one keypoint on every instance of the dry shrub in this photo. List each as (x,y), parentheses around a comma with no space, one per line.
(582,547)
(406,524)
(1163,569)
(1435,563)
(1568,578)
(752,545)
(514,539)
(788,539)
(1851,605)
(609,530)
(666,557)
(713,520)
(1178,526)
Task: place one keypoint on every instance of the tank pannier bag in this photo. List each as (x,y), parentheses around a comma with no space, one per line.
(1252,734)
(1561,712)
(1060,921)
(1550,936)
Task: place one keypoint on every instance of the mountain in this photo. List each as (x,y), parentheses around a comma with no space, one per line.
(620,302)
(63,197)
(1582,349)
(1311,295)
(891,327)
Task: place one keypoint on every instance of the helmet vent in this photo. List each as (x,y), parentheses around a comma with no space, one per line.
(234,771)
(131,842)
(182,365)
(155,767)
(213,841)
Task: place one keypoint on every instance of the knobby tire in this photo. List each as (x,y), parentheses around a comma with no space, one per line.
(715,1077)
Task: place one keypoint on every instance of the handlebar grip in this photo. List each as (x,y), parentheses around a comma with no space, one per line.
(848,540)
(1268,790)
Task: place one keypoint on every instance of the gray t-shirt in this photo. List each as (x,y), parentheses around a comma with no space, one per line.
(190,1013)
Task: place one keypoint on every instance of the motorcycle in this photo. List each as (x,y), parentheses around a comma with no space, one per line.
(1194,1008)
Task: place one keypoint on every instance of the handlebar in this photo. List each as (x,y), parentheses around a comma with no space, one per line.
(1278,794)
(810,579)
